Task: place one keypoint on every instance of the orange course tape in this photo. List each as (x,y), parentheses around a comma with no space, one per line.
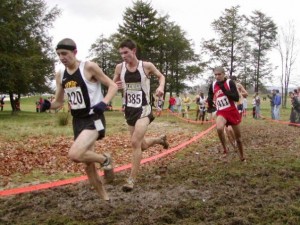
(37,187)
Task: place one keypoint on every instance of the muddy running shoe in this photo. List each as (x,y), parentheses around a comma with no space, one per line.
(164,143)
(129,185)
(108,169)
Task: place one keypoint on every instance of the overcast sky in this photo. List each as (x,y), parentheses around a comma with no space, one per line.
(85,20)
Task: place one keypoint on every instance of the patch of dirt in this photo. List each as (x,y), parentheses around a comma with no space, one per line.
(194,186)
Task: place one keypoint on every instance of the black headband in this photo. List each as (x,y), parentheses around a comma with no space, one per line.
(67,47)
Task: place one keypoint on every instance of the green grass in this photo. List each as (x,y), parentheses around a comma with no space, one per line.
(37,176)
(29,123)
(197,187)
(27,104)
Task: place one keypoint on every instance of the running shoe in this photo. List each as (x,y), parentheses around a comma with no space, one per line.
(164,143)
(128,186)
(108,169)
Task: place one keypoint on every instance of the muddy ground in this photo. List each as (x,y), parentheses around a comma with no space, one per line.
(193,186)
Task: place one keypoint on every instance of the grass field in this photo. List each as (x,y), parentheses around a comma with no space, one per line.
(193,186)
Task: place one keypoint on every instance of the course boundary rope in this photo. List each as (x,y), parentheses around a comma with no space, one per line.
(48,185)
(189,120)
(280,121)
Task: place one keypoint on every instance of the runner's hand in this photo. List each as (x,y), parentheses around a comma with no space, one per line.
(99,108)
(159,92)
(45,105)
(119,84)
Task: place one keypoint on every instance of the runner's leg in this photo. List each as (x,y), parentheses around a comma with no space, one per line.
(137,137)
(82,150)
(220,123)
(96,181)
(237,134)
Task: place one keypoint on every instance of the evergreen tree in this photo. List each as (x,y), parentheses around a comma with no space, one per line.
(263,34)
(26,56)
(141,24)
(160,41)
(227,49)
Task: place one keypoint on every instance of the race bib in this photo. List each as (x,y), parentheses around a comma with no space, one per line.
(222,102)
(99,125)
(75,97)
(134,99)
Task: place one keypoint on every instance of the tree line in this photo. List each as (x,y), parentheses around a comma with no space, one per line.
(241,45)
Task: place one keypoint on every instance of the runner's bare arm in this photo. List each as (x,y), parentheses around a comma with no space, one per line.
(117,74)
(242,90)
(59,92)
(151,69)
(99,75)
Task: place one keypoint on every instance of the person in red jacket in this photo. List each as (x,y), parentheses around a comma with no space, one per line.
(172,102)
(225,93)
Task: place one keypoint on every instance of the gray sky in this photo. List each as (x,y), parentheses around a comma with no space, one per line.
(84,21)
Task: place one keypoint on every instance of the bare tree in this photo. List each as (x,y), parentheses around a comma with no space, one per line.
(288,55)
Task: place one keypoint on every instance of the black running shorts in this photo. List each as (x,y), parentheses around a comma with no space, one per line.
(87,123)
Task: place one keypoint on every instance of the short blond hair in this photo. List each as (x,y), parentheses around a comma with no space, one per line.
(219,69)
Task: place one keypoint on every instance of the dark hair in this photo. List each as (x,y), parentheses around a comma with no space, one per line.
(66,43)
(128,43)
(233,78)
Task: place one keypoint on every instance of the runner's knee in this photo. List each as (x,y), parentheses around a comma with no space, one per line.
(135,143)
(220,129)
(74,155)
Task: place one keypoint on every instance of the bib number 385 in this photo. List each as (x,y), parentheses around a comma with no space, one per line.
(134,99)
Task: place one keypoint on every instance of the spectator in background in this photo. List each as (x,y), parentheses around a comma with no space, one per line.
(196,100)
(172,102)
(202,106)
(211,112)
(245,106)
(295,110)
(178,103)
(17,104)
(159,106)
(2,102)
(272,98)
(253,107)
(41,101)
(37,106)
(257,106)
(277,103)
(186,105)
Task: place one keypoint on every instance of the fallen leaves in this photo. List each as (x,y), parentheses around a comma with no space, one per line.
(51,154)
